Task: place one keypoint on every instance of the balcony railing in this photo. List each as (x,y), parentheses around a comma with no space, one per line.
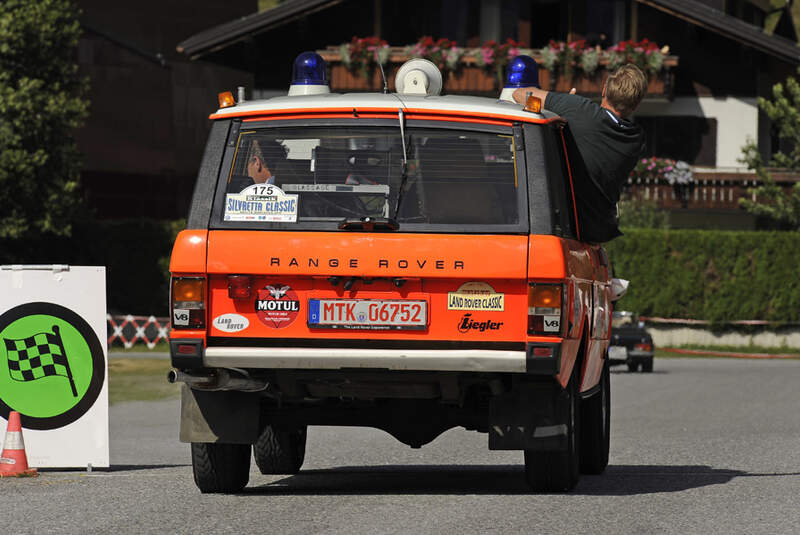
(472,79)
(711,189)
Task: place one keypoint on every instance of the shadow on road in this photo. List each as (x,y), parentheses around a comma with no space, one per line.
(618,480)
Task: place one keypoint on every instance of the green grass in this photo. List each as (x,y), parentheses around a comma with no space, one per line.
(662,353)
(161,347)
(744,349)
(139,379)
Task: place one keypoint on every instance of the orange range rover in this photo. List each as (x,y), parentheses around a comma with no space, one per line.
(405,261)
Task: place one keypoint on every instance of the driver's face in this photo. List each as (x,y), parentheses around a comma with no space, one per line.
(257,169)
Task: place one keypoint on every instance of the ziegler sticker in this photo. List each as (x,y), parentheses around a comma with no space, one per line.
(231,323)
(478,296)
(277,306)
(467,324)
(261,202)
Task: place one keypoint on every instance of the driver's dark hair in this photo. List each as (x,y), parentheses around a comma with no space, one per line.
(270,151)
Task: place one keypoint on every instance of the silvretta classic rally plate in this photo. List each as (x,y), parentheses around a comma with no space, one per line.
(370,314)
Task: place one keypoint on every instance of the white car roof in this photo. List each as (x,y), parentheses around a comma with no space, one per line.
(363,101)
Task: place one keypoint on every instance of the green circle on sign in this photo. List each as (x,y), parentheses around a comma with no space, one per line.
(52,365)
(38,393)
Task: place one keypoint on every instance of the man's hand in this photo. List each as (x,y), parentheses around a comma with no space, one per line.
(521,94)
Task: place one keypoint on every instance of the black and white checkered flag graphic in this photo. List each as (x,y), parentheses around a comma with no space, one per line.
(37,356)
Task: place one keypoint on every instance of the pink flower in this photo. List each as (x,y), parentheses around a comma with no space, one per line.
(644,160)
(651,167)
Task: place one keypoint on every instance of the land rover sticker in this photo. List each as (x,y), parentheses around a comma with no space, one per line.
(478,296)
(231,323)
(261,202)
(277,306)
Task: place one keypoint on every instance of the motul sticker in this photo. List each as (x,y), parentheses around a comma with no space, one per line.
(231,323)
(478,296)
(277,306)
(6,460)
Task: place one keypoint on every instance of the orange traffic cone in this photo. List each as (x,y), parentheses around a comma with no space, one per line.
(13,461)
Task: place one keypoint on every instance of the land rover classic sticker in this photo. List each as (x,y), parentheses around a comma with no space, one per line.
(277,306)
(231,323)
(261,202)
(477,296)
(52,366)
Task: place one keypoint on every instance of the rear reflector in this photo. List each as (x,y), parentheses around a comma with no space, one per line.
(542,351)
(185,349)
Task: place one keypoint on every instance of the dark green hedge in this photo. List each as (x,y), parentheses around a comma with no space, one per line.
(718,276)
(135,253)
(712,275)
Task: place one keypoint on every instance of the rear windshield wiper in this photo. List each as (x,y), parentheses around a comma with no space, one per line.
(403,164)
(369,224)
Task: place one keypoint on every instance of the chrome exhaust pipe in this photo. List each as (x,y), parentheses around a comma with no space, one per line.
(199,381)
(220,379)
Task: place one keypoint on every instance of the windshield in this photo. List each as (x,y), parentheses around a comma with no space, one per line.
(322,175)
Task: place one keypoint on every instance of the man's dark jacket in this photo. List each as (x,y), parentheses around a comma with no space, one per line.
(609,147)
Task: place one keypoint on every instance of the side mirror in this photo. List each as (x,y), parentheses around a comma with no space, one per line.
(618,288)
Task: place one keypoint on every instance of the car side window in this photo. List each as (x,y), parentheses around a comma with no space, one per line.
(560,186)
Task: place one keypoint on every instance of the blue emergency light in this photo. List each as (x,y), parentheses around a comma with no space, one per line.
(522,71)
(309,69)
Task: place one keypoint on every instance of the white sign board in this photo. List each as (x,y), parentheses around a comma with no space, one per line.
(53,362)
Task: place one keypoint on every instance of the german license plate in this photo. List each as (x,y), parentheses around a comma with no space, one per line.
(370,314)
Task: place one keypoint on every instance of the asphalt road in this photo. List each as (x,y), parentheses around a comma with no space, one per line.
(700,446)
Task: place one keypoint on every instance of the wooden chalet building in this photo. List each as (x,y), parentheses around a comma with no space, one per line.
(701,107)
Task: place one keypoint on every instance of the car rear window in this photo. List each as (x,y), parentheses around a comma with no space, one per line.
(315,177)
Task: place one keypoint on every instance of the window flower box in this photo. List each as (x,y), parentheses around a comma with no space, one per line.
(466,72)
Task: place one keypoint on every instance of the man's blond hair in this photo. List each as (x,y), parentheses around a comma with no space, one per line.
(625,89)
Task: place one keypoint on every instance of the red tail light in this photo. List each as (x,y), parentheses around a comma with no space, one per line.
(240,286)
(545,308)
(643,347)
(188,302)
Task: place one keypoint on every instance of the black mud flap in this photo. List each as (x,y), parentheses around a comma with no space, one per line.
(228,417)
(530,417)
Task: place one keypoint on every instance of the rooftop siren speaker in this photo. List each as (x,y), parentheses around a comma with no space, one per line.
(522,71)
(418,77)
(309,76)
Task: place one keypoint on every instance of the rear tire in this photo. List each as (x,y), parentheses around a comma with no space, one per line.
(596,426)
(280,451)
(633,367)
(557,471)
(220,467)
(647,366)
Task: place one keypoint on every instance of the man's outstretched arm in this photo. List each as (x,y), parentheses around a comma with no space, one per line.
(522,93)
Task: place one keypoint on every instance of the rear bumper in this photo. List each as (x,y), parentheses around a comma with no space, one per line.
(473,360)
(190,354)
